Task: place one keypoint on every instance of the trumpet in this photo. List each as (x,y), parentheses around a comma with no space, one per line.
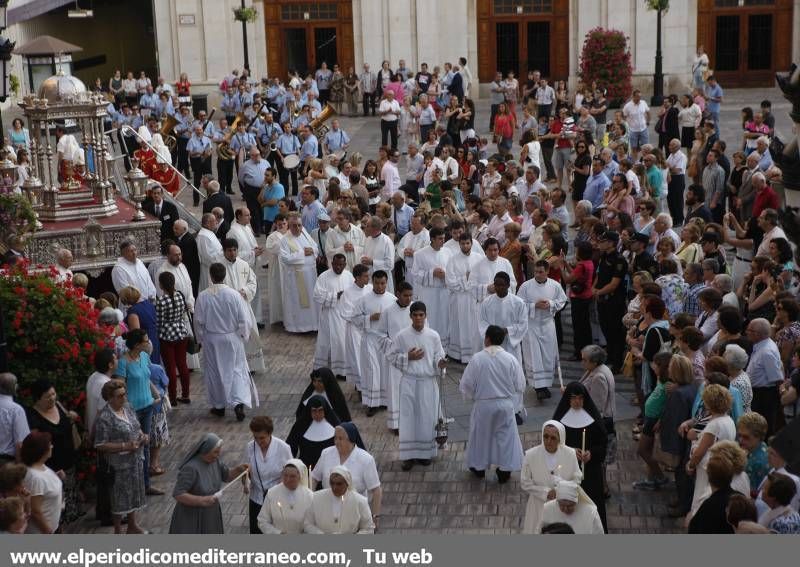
(273,147)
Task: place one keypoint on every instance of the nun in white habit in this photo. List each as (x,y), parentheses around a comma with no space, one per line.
(286,503)
(339,509)
(572,506)
(543,468)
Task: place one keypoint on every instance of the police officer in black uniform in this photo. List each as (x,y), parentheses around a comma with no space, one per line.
(609,292)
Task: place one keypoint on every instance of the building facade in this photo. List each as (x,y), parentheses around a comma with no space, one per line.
(747,40)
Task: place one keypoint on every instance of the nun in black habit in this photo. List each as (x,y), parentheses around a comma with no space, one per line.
(323,383)
(313,430)
(577,412)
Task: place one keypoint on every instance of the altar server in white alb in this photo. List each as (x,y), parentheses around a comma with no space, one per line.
(495,381)
(487,268)
(366,316)
(330,351)
(339,509)
(240,277)
(345,238)
(273,248)
(464,309)
(574,507)
(396,318)
(250,252)
(414,240)
(378,251)
(223,324)
(418,353)
(353,334)
(508,312)
(298,275)
(209,248)
(544,297)
(428,277)
(130,271)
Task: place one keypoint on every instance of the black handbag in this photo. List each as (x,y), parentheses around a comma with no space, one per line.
(192,346)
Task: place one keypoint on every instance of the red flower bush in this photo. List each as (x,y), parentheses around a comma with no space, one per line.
(606,60)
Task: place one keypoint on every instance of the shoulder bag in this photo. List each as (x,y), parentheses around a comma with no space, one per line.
(192,346)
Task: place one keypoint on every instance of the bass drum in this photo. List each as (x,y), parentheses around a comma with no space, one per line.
(291,161)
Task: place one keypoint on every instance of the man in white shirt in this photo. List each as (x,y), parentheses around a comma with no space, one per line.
(637,116)
(676,162)
(13,424)
(768,222)
(490,178)
(390,176)
(389,111)
(130,271)
(451,170)
(560,212)
(497,226)
(529,185)
(545,96)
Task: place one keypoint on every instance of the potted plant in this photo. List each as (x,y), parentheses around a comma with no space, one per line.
(606,60)
(247,15)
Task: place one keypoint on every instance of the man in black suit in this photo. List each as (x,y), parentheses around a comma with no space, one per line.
(216,198)
(164,211)
(223,226)
(188,245)
(16,251)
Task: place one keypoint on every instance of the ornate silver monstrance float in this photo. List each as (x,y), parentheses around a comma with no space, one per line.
(71,183)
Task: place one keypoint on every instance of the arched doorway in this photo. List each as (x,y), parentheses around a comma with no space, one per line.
(746,40)
(523,35)
(301,34)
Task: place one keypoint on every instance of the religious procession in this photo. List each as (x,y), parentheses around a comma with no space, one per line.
(539,265)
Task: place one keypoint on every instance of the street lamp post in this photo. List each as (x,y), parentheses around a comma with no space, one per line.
(6,47)
(244,40)
(658,77)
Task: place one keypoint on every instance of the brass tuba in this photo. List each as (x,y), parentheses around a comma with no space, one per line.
(318,124)
(167,128)
(224,150)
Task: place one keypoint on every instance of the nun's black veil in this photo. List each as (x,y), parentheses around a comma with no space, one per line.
(577,389)
(332,390)
(303,422)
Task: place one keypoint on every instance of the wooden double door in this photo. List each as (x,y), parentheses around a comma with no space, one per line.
(747,41)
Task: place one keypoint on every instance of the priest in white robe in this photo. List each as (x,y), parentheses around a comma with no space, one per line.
(544,297)
(488,267)
(223,325)
(543,468)
(240,277)
(250,252)
(417,351)
(183,284)
(506,311)
(572,506)
(130,271)
(353,334)
(330,350)
(339,509)
(286,503)
(298,275)
(428,276)
(495,381)
(464,309)
(414,240)
(209,248)
(345,238)
(273,247)
(366,316)
(379,251)
(396,318)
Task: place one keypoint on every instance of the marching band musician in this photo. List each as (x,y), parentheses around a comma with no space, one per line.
(336,140)
(241,143)
(268,133)
(199,148)
(231,104)
(149,102)
(183,131)
(303,118)
(224,157)
(310,148)
(287,144)
(145,156)
(313,103)
(204,123)
(164,106)
(245,96)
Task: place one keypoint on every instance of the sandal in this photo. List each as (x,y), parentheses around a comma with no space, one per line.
(156,471)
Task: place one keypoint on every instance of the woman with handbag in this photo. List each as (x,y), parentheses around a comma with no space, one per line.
(47,415)
(171,311)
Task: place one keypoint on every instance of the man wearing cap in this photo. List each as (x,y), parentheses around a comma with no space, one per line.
(320,235)
(641,260)
(609,293)
(571,506)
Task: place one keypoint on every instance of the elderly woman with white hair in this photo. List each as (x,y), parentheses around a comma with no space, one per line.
(339,509)
(543,468)
(662,228)
(737,359)
(572,506)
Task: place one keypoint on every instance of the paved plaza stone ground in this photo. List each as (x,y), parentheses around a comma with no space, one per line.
(442,498)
